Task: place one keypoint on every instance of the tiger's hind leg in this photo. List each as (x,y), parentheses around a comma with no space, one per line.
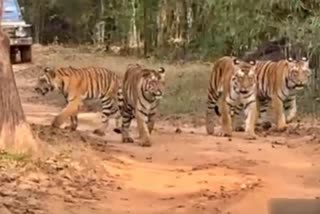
(212,111)
(226,121)
(71,110)
(278,110)
(110,109)
(127,116)
(210,121)
(74,123)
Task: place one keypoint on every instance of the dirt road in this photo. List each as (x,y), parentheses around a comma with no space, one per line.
(194,173)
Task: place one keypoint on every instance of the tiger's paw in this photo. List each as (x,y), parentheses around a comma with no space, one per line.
(127,140)
(99,132)
(251,136)
(281,129)
(239,129)
(145,143)
(117,130)
(266,125)
(223,134)
(210,131)
(55,124)
(290,120)
(70,128)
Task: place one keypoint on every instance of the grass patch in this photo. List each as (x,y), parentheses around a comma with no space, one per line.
(5,156)
(186,91)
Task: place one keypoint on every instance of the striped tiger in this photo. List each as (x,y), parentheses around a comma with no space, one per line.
(142,90)
(79,84)
(277,86)
(232,83)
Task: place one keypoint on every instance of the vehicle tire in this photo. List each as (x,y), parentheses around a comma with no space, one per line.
(13,56)
(26,55)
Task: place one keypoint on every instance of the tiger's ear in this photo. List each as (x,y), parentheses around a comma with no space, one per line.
(290,59)
(50,71)
(305,62)
(252,62)
(161,70)
(236,61)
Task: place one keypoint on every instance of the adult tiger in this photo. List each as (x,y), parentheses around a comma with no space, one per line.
(232,83)
(142,91)
(79,84)
(277,84)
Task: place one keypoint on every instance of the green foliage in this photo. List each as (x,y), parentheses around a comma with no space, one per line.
(218,27)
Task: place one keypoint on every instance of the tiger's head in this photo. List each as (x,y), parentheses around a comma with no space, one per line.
(299,73)
(46,82)
(244,78)
(154,83)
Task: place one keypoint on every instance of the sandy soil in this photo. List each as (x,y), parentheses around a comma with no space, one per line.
(183,172)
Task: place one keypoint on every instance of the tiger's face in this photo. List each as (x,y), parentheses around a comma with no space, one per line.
(244,78)
(155,83)
(299,73)
(45,82)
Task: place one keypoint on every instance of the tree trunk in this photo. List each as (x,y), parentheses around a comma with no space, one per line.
(15,133)
(145,29)
(133,36)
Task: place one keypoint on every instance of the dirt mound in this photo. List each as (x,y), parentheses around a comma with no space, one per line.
(56,136)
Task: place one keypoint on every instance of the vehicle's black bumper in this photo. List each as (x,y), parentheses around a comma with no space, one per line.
(20,41)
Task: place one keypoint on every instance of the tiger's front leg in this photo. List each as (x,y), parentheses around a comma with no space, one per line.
(237,117)
(71,109)
(251,113)
(292,110)
(226,121)
(110,109)
(150,123)
(278,111)
(143,129)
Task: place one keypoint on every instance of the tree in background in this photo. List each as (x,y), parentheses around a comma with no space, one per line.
(175,29)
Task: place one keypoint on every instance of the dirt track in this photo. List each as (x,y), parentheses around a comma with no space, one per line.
(187,172)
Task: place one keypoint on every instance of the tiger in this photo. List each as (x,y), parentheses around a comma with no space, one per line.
(142,90)
(79,84)
(277,86)
(232,83)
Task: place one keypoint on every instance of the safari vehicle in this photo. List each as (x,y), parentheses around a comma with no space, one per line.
(17,30)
